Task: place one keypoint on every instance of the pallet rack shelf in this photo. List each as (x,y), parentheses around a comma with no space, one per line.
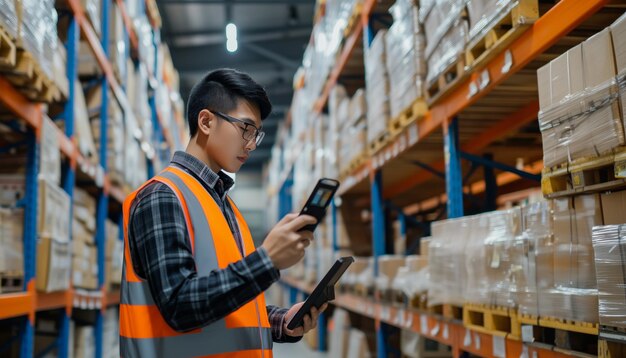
(456,127)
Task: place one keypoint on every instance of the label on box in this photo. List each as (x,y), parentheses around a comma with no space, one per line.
(424,324)
(467,340)
(499,347)
(527,333)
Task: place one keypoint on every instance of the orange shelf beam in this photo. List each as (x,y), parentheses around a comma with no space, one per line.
(54,300)
(16,304)
(442,330)
(134,42)
(513,122)
(18,104)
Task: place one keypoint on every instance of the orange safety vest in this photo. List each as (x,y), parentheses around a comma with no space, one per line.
(144,333)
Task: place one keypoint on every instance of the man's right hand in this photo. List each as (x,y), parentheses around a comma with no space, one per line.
(284,244)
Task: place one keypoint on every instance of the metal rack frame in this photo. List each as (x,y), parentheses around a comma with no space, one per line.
(26,304)
(545,32)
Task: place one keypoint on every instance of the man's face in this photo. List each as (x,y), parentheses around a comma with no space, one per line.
(226,145)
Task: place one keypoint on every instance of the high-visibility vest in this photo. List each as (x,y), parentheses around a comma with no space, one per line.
(144,332)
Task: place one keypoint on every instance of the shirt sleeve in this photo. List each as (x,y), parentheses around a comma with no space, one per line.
(161,252)
(276,317)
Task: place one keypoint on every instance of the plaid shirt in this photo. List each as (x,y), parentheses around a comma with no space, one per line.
(161,253)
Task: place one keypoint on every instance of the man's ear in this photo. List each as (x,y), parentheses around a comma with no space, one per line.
(205,121)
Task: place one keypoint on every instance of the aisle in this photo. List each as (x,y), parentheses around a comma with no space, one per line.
(300,350)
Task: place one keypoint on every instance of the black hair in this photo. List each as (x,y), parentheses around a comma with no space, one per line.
(220,90)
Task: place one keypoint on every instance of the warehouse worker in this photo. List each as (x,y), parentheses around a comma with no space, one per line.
(193,281)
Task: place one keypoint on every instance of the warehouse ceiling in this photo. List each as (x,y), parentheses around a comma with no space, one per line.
(271,36)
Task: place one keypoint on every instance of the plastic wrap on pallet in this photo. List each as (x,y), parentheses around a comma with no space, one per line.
(448,274)
(412,279)
(358,106)
(533,255)
(484,14)
(39,32)
(11,238)
(489,257)
(50,155)
(609,245)
(8,17)
(447,51)
(439,20)
(388,266)
(574,294)
(117,42)
(585,124)
(377,87)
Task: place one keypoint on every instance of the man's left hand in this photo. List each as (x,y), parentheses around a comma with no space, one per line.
(309,320)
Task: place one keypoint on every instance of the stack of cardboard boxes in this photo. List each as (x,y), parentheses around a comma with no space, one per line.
(377,87)
(353,129)
(447,261)
(53,225)
(446,34)
(85,251)
(115,133)
(11,238)
(579,101)
(406,63)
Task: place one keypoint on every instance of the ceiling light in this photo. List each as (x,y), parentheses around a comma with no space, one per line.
(231,45)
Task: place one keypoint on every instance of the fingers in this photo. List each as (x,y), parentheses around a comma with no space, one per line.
(296,332)
(314,315)
(324,307)
(307,323)
(300,222)
(289,218)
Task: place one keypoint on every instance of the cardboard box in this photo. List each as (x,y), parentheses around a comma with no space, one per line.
(599,61)
(53,265)
(614,208)
(566,75)
(618,34)
(54,206)
(388,265)
(609,247)
(424,246)
(416,262)
(544,84)
(11,240)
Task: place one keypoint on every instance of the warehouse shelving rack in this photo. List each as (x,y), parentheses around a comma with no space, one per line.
(25,305)
(509,70)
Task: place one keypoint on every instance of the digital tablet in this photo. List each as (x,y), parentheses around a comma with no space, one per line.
(323,292)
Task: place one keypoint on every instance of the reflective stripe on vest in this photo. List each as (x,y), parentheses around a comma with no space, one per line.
(143,330)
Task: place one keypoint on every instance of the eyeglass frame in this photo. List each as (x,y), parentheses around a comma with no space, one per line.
(258,136)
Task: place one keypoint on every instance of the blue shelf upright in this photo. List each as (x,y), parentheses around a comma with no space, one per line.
(454,176)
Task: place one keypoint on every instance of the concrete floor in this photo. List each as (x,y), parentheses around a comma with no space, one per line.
(299,350)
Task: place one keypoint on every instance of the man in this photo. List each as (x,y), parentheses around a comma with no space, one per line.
(193,282)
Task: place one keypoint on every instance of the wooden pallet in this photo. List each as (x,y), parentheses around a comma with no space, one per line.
(11,281)
(500,321)
(501,33)
(569,325)
(412,114)
(609,349)
(29,79)
(7,50)
(570,337)
(586,175)
(448,80)
(378,143)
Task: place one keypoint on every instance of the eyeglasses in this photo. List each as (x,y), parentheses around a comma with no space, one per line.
(250,131)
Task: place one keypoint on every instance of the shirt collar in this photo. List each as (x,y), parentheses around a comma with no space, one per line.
(203,172)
